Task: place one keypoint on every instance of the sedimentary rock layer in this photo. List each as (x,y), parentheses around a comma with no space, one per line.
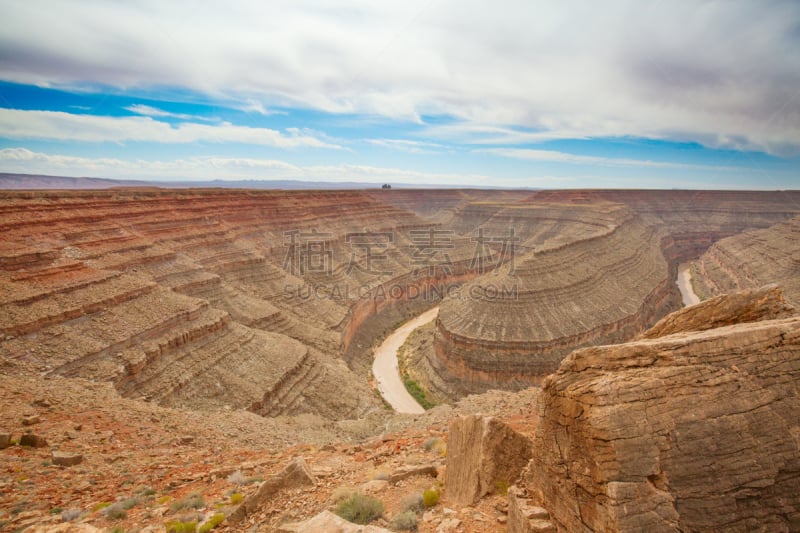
(515,328)
(695,431)
(752,259)
(181,296)
(591,267)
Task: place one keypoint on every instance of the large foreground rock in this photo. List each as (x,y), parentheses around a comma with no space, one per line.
(751,305)
(694,431)
(483,455)
(295,475)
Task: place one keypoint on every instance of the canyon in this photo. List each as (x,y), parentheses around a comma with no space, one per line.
(255,315)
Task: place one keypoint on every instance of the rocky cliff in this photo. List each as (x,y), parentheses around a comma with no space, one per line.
(191,297)
(752,259)
(591,267)
(693,431)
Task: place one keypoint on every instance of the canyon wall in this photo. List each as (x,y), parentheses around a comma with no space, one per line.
(592,267)
(752,259)
(192,297)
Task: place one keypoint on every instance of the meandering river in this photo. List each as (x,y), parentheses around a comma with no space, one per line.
(386,371)
(684,282)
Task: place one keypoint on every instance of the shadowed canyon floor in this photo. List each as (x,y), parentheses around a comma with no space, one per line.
(173,338)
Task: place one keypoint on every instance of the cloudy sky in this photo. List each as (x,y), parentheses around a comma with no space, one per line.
(689,94)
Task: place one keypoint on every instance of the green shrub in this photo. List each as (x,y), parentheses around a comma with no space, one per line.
(502,487)
(430,498)
(100,506)
(176,526)
(412,502)
(212,522)
(56,510)
(341,493)
(236,498)
(116,512)
(192,501)
(416,391)
(359,509)
(405,521)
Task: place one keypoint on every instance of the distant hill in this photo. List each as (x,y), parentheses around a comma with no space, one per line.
(32,181)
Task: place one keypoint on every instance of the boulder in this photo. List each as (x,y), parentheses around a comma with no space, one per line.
(524,517)
(66,458)
(751,305)
(295,475)
(695,431)
(483,455)
(5,440)
(32,440)
(328,522)
(413,470)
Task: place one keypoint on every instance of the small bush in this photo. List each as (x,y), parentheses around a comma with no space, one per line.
(359,509)
(176,526)
(501,487)
(118,529)
(341,493)
(236,498)
(435,444)
(148,492)
(162,500)
(116,512)
(130,503)
(56,510)
(193,501)
(405,521)
(237,478)
(70,514)
(430,498)
(212,522)
(100,506)
(412,502)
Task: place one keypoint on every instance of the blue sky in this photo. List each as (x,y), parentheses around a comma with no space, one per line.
(561,94)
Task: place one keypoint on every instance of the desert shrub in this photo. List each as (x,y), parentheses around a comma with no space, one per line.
(118,529)
(130,503)
(237,478)
(192,501)
(405,521)
(341,493)
(56,510)
(437,444)
(148,492)
(236,498)
(70,514)
(430,497)
(359,509)
(176,526)
(501,487)
(212,522)
(412,502)
(116,512)
(100,506)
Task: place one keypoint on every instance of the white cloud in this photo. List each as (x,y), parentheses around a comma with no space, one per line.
(553,156)
(150,111)
(57,125)
(720,73)
(405,145)
(22,160)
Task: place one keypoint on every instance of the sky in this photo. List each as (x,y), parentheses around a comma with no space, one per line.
(518,93)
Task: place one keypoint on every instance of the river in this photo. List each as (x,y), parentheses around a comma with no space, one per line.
(386,371)
(684,282)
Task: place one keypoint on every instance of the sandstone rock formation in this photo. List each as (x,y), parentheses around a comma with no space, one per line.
(484,455)
(764,303)
(752,259)
(593,267)
(295,475)
(693,431)
(328,522)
